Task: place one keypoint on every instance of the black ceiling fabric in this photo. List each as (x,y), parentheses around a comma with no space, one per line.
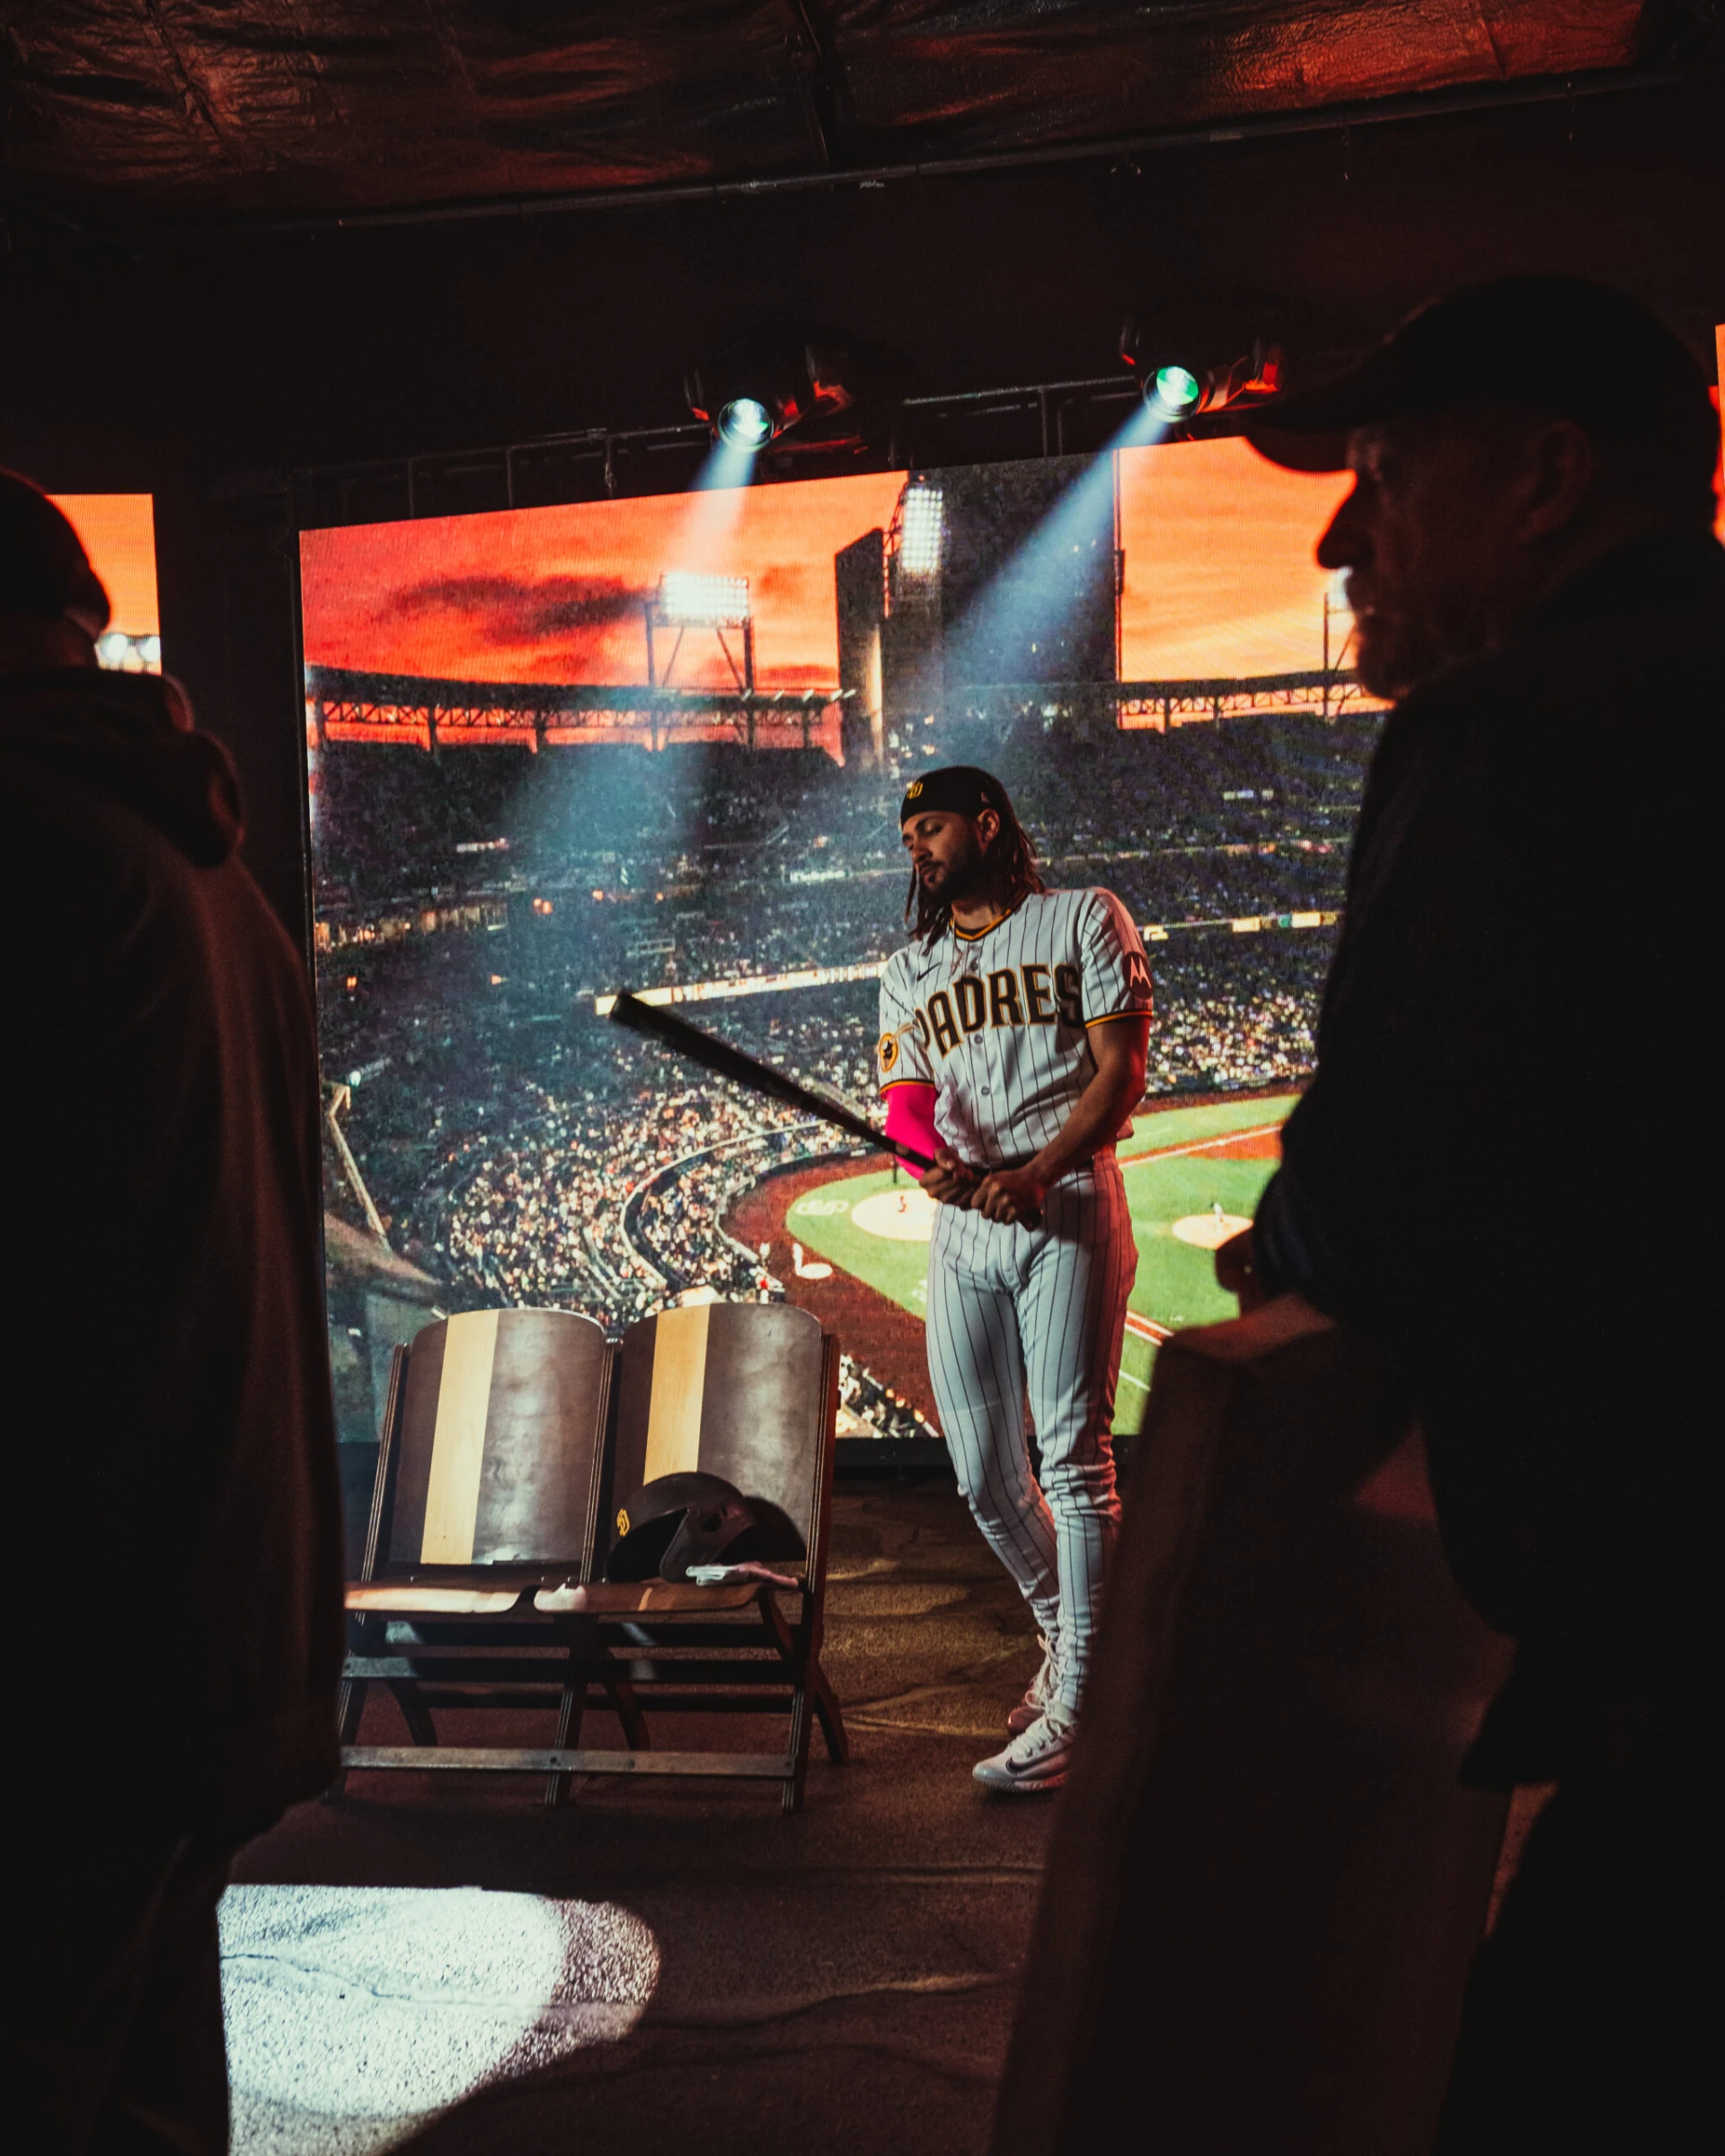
(161,111)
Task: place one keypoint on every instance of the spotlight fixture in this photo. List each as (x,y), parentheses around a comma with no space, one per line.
(1176,391)
(744,423)
(1173,392)
(755,395)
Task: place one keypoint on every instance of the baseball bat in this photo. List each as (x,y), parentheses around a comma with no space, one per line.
(719,1056)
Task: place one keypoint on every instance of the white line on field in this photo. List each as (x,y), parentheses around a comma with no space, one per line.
(1173,1153)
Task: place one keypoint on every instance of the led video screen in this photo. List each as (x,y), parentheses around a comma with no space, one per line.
(119,535)
(660,744)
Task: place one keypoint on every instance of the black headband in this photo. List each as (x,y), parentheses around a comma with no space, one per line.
(960,789)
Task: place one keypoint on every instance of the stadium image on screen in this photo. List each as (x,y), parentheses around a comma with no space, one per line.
(659,745)
(119,535)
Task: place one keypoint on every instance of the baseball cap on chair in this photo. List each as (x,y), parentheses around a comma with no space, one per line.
(44,569)
(1560,345)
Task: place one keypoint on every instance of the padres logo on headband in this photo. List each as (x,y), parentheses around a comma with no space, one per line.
(888,1051)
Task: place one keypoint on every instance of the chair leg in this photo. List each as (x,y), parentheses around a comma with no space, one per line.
(415,1713)
(795,1781)
(622,1696)
(796,1646)
(831,1715)
(350,1705)
(570,1707)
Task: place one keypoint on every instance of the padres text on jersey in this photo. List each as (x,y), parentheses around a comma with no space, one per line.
(998,1020)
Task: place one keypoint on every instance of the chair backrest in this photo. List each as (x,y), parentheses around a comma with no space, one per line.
(496,1444)
(732,1389)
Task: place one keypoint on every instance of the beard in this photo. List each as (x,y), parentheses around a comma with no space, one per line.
(943,882)
(1392,655)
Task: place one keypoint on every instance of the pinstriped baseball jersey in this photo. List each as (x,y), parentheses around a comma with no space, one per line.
(998,1020)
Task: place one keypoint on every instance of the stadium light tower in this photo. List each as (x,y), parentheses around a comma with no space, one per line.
(921,526)
(689,599)
(913,546)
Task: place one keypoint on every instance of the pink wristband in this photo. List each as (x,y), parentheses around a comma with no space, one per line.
(910,1119)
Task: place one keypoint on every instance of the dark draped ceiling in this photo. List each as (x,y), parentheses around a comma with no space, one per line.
(163,110)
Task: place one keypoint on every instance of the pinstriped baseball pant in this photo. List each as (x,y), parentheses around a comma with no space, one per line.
(1016,1311)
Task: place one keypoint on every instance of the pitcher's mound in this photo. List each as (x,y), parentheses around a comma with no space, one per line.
(904,1215)
(1210,1231)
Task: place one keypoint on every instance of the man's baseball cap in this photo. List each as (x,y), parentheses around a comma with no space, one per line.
(44,569)
(955,790)
(1560,345)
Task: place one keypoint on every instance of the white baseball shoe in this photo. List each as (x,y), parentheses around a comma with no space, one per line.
(1035,1759)
(1034,1705)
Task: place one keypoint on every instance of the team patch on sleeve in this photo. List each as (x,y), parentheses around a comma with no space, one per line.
(888,1053)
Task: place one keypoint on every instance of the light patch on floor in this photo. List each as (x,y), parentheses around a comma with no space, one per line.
(357,2015)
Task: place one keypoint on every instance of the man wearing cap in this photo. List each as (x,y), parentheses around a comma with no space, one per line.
(174,1567)
(1508,1073)
(1014,1028)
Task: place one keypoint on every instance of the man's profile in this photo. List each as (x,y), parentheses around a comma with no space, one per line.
(1508,1063)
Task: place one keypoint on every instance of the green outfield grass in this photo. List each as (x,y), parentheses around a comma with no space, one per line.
(1176,1282)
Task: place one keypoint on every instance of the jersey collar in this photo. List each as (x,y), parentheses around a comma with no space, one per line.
(974,935)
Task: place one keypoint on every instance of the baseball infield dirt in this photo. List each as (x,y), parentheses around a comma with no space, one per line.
(896,1355)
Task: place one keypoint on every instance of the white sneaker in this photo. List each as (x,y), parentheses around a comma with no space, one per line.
(1035,1759)
(1034,1705)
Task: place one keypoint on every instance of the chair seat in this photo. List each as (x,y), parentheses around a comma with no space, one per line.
(601,1598)
(439,1602)
(630,1598)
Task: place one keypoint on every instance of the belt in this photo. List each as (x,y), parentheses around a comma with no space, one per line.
(1103,1153)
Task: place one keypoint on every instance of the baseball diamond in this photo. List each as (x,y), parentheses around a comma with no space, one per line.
(872,1222)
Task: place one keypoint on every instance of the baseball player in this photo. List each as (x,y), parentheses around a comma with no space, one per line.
(1013,1027)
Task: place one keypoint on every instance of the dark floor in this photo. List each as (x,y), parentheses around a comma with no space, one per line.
(843,1980)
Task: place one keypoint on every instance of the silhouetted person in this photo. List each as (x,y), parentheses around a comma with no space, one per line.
(173,1567)
(1511,1081)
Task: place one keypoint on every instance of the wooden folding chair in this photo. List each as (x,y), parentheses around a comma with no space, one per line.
(748,1390)
(488,1483)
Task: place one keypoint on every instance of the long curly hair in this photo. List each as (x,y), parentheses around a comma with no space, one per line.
(1011,854)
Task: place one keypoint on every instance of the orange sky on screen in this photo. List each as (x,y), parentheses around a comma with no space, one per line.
(555,595)
(1219,578)
(119,535)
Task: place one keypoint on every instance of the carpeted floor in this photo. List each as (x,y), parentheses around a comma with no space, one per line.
(439,1963)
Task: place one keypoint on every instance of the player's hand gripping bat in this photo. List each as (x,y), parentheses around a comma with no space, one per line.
(718,1055)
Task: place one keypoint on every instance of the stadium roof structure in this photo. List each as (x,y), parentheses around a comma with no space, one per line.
(133,116)
(344,704)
